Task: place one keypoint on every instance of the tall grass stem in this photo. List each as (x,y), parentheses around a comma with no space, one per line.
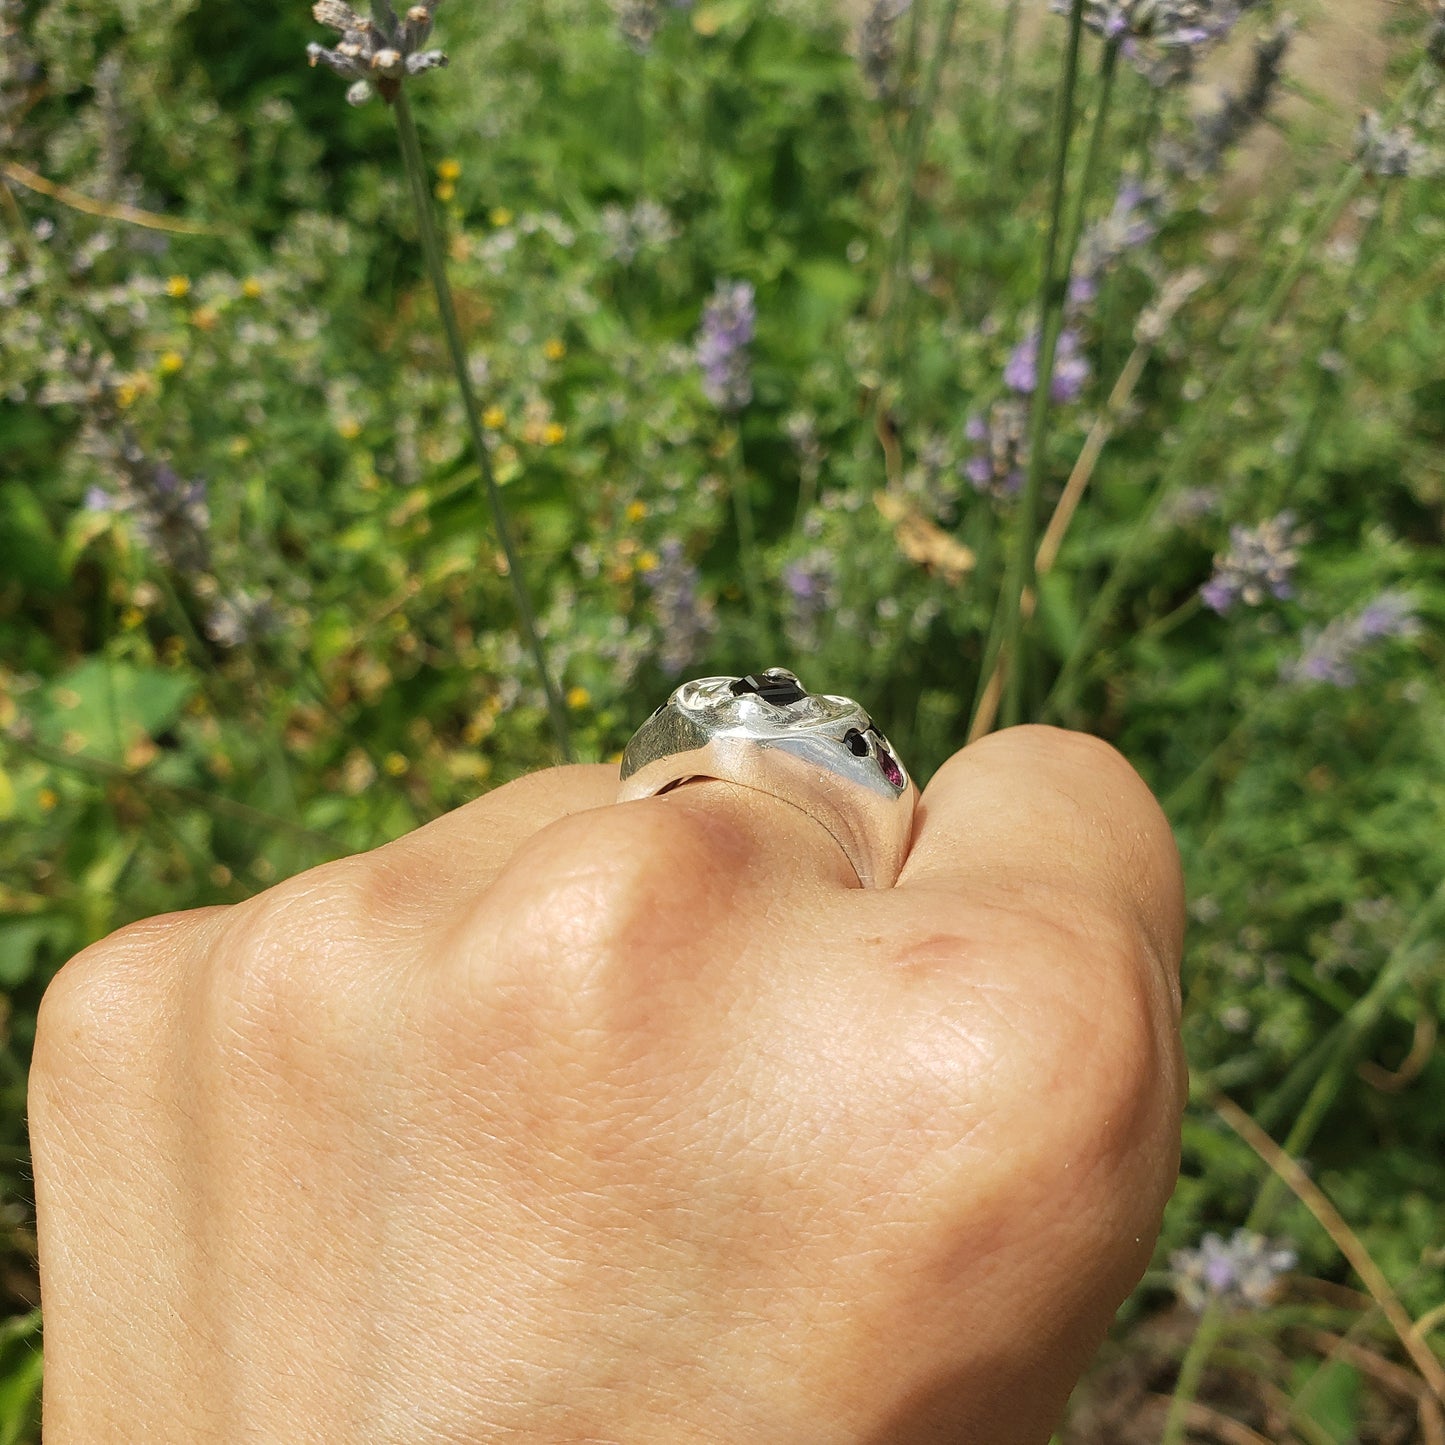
(747,540)
(1053,290)
(900,289)
(1003,102)
(415,168)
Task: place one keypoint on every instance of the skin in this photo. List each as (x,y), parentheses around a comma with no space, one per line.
(566,1121)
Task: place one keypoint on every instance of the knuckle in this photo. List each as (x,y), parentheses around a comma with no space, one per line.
(103,1012)
(287,956)
(602,899)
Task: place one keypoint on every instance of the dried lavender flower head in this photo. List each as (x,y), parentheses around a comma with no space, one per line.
(1244,1272)
(378,53)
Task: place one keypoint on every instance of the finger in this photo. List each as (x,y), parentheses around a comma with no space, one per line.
(1055,822)
(464,850)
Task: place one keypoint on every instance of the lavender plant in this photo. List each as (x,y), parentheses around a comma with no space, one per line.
(380,52)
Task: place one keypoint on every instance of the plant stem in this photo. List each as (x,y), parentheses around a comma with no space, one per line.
(747,538)
(1204,425)
(1053,290)
(1007,64)
(1191,1372)
(415,169)
(900,289)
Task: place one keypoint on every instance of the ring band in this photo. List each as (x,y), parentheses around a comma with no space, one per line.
(817,751)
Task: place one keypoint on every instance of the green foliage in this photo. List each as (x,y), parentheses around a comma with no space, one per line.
(322,652)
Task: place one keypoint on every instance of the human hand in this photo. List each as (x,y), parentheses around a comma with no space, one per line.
(560,1120)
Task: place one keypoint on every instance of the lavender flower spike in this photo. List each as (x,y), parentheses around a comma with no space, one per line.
(1260,562)
(685,620)
(1071,367)
(1001,449)
(1329,654)
(728,322)
(377,53)
(1245,1271)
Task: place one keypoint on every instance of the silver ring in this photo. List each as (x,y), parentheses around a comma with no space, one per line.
(817,751)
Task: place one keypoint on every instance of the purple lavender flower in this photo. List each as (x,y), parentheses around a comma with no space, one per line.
(1245,1271)
(1238,111)
(1071,367)
(1000,457)
(811,585)
(1131,223)
(1260,562)
(684,619)
(1330,653)
(1163,39)
(728,321)
(170,516)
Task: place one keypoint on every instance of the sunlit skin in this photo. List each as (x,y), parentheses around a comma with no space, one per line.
(561,1120)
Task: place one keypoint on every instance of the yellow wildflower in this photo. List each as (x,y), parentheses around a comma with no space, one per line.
(126,393)
(553,433)
(554,349)
(500,216)
(636,511)
(449,169)
(178,286)
(47,798)
(171,362)
(204,318)
(395,764)
(251,287)
(445,191)
(646,561)
(349,427)
(578,698)
(494,418)
(131,618)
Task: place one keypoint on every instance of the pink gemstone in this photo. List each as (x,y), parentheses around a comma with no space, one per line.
(890,767)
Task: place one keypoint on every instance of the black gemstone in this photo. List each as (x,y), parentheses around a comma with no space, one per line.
(857,743)
(777,690)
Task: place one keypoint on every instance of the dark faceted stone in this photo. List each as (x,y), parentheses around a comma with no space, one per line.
(777,690)
(856,742)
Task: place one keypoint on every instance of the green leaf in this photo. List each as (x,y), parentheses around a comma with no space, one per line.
(20,938)
(20,1383)
(1333,1399)
(1058,614)
(103,708)
(29,548)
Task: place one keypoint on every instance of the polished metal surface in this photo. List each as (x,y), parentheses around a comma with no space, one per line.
(817,751)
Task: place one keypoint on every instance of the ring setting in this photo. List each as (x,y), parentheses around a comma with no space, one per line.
(818,751)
